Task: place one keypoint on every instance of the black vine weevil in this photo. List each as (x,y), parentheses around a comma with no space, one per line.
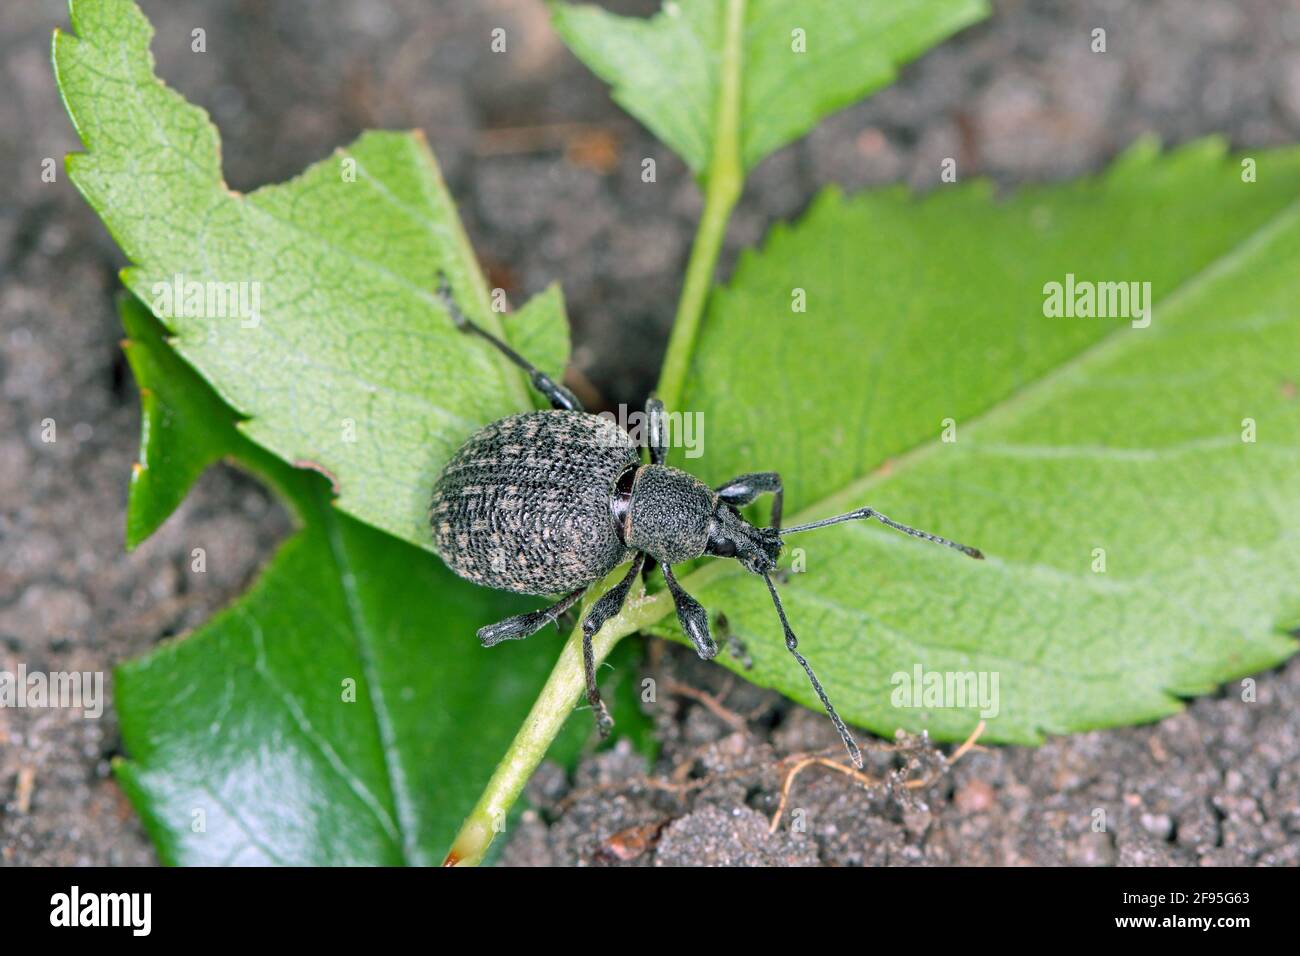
(550,502)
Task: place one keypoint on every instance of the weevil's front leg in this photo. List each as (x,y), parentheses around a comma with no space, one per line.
(608,604)
(657,438)
(522,625)
(555,393)
(693,618)
(743,489)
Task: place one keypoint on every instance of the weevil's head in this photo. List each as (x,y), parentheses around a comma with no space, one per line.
(731,536)
(676,517)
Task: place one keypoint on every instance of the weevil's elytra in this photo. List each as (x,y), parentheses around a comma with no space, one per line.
(550,502)
(524,504)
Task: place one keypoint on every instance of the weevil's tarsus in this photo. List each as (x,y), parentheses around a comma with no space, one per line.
(606,606)
(692,617)
(792,644)
(448,299)
(865,513)
(523,625)
(555,393)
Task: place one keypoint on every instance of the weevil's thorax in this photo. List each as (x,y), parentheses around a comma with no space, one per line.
(669,514)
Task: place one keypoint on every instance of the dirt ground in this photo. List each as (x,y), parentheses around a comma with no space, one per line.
(546,169)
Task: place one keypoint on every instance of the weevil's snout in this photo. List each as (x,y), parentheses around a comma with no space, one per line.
(731,536)
(765,549)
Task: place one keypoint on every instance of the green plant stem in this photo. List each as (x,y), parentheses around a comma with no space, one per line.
(563,689)
(566,684)
(722,186)
(552,707)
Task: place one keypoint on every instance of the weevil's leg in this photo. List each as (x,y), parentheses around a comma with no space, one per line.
(606,606)
(792,645)
(742,490)
(693,618)
(522,625)
(658,431)
(555,393)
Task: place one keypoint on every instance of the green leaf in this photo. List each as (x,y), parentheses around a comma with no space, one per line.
(666,71)
(179,437)
(341,711)
(248,721)
(1072,434)
(318,321)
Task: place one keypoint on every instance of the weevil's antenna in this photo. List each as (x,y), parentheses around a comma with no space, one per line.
(863,513)
(792,643)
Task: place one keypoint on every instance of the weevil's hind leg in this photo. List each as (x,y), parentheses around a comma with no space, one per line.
(523,625)
(555,393)
(606,606)
(693,618)
(658,431)
(742,490)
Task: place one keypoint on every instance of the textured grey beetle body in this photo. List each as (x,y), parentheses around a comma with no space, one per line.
(524,504)
(551,502)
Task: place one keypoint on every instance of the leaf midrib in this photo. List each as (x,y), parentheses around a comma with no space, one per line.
(1028,392)
(404,812)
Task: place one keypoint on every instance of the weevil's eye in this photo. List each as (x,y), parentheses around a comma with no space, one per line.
(719,545)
